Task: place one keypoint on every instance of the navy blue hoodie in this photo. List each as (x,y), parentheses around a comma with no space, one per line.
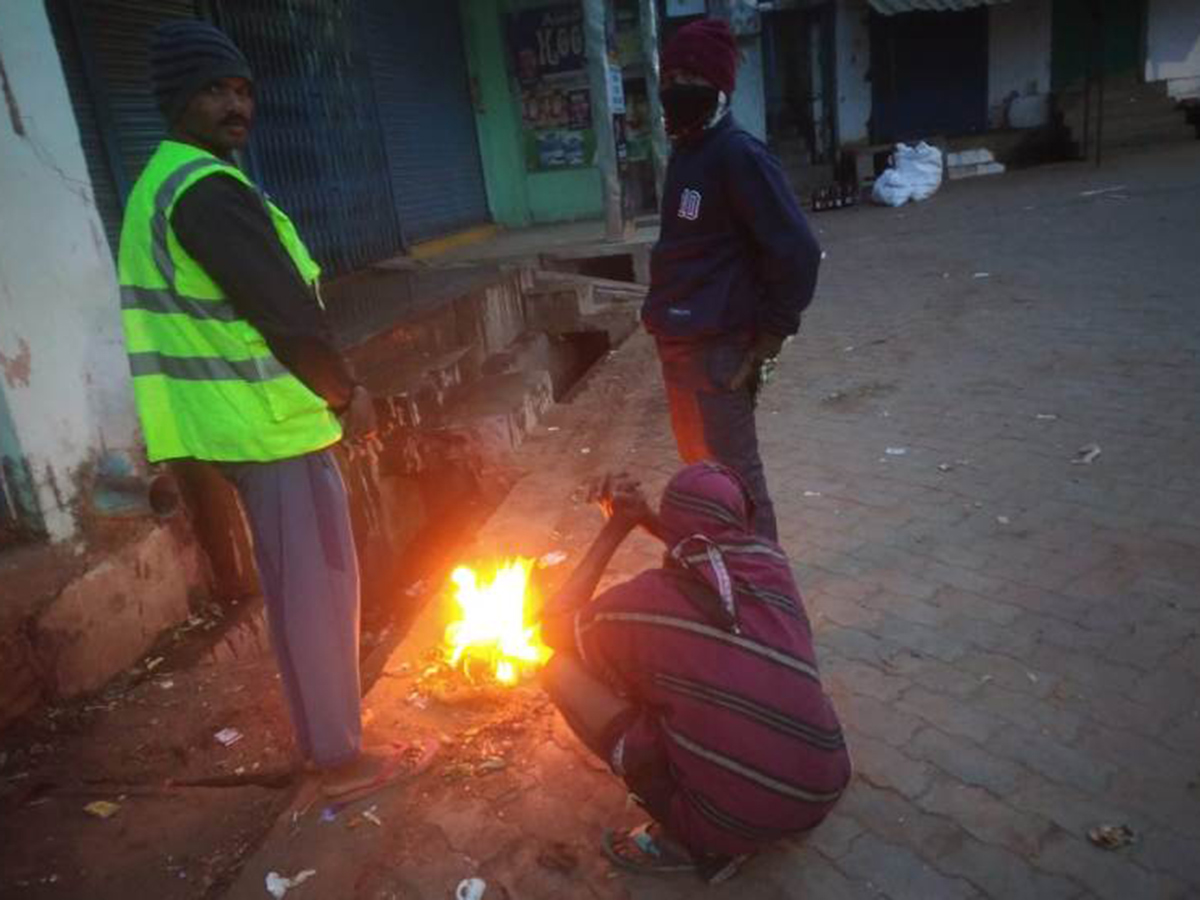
(735,255)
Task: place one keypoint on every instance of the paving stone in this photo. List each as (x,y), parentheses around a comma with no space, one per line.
(1074,766)
(950,714)
(1155,761)
(875,719)
(1086,668)
(987,818)
(1166,688)
(936,675)
(790,872)
(843,612)
(1113,710)
(977,606)
(833,837)
(901,873)
(850,643)
(1164,850)
(1184,733)
(886,767)
(1047,717)
(897,820)
(998,872)
(919,612)
(860,678)
(946,646)
(1017,675)
(1030,593)
(966,761)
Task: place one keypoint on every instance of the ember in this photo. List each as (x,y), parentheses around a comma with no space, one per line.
(493,631)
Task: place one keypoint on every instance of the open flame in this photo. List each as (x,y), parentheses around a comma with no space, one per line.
(492,629)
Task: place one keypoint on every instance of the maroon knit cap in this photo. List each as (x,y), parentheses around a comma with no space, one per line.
(706,48)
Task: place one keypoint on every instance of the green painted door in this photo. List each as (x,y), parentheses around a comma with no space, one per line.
(1112,29)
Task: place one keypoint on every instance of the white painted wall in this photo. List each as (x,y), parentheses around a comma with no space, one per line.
(62,360)
(1019,62)
(853,50)
(1173,45)
(749,102)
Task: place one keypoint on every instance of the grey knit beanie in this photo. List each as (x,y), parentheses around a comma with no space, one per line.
(187,55)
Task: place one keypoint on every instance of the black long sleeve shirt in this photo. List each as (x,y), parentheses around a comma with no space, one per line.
(225,227)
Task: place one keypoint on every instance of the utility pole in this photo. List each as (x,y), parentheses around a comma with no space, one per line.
(595,29)
(648,22)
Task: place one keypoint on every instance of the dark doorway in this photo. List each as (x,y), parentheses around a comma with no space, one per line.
(1108,33)
(929,74)
(798,70)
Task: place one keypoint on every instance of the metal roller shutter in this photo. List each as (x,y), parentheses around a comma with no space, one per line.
(317,146)
(103,47)
(424,100)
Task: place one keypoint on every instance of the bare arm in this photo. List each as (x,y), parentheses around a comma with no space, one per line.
(625,507)
(581,584)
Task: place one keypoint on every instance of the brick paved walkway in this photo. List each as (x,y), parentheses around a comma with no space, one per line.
(1012,639)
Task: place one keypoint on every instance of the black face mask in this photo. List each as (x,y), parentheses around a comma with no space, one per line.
(687,107)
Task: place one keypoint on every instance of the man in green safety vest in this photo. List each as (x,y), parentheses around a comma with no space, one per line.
(233,364)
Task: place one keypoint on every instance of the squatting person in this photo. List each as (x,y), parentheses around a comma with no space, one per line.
(697,682)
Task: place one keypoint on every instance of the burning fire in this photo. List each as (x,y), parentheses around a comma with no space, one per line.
(492,629)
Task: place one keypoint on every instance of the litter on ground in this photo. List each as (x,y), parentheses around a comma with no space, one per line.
(470,889)
(102,809)
(1112,837)
(278,885)
(551,559)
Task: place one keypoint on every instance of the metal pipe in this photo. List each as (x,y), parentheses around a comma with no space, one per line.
(119,491)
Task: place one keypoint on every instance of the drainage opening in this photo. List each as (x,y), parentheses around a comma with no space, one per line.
(572,356)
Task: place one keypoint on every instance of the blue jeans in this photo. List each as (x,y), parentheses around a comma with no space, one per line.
(711,421)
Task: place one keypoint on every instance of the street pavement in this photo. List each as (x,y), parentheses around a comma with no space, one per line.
(1008,622)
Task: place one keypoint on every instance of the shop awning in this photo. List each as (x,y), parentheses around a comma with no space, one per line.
(891,7)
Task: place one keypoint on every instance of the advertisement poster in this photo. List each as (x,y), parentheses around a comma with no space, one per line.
(550,66)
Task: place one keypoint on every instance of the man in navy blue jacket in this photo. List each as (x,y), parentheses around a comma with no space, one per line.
(734,267)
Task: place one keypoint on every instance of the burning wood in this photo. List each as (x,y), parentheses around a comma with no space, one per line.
(492,632)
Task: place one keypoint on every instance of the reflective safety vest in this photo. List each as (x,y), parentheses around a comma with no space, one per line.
(206,383)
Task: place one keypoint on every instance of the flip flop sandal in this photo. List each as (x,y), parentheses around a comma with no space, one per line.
(636,850)
(406,761)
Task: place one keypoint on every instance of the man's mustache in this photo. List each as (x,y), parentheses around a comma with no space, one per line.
(236,120)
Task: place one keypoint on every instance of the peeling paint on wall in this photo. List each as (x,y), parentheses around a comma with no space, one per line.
(17,368)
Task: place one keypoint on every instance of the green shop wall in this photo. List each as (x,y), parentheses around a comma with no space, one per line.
(516,196)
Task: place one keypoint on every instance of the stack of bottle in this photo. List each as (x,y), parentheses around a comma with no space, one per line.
(835,196)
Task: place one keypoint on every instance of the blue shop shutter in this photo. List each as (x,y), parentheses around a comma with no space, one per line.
(424,101)
(317,148)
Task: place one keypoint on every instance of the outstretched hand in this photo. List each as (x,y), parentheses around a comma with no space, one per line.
(621,499)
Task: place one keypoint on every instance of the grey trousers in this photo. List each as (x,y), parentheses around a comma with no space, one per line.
(712,422)
(304,550)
